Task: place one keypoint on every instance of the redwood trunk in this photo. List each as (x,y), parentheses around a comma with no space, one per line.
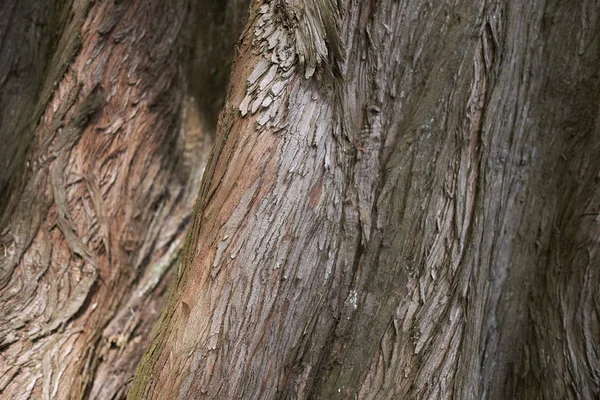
(102,150)
(402,202)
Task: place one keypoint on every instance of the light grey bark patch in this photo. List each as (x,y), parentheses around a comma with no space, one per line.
(287,33)
(232,226)
(261,67)
(277,58)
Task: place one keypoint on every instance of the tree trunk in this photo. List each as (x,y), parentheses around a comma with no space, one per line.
(402,202)
(102,152)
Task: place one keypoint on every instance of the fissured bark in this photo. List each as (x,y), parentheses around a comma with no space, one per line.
(402,202)
(102,152)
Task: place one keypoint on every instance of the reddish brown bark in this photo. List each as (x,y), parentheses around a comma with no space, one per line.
(103,153)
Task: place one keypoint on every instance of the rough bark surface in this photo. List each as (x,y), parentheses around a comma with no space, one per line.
(101,158)
(402,203)
(32,60)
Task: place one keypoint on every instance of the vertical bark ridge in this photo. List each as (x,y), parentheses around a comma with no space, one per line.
(419,136)
(403,259)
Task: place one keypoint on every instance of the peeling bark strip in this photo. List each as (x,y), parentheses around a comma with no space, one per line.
(449,249)
(97,184)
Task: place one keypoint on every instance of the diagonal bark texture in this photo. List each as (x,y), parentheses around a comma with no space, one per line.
(102,153)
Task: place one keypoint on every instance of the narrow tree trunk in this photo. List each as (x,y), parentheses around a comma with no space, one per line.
(402,203)
(98,176)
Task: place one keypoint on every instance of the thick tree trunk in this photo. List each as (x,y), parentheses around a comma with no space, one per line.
(98,176)
(402,202)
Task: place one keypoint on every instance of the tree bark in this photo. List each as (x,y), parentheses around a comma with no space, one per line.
(102,152)
(402,202)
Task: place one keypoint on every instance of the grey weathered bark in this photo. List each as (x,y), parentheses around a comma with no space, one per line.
(402,202)
(101,157)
